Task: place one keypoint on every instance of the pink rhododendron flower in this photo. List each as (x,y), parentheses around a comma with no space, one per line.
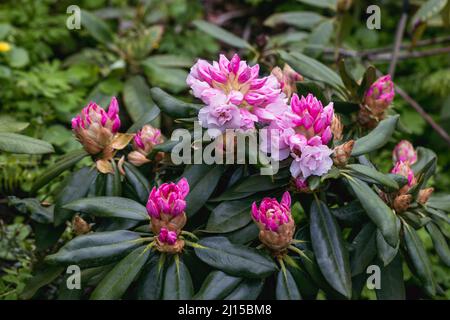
(404,152)
(95,128)
(271,213)
(167,237)
(403,169)
(143,143)
(275,222)
(168,199)
(233,82)
(313,160)
(380,94)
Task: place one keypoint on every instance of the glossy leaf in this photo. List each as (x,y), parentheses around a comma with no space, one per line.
(329,248)
(111,207)
(286,288)
(376,209)
(440,244)
(137,98)
(172,106)
(96,249)
(392,286)
(178,282)
(229,216)
(222,35)
(41,278)
(217,285)
(249,289)
(137,180)
(151,281)
(371,175)
(17,143)
(98,29)
(363,249)
(117,281)
(236,260)
(377,138)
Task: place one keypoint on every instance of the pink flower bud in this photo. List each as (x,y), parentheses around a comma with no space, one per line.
(234,64)
(275,222)
(167,237)
(404,152)
(403,169)
(380,94)
(95,128)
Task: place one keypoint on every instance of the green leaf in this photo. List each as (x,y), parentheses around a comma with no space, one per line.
(286,288)
(113,186)
(349,82)
(244,235)
(117,281)
(301,19)
(377,138)
(419,259)
(386,253)
(351,214)
(59,167)
(111,207)
(439,201)
(320,37)
(440,244)
(329,249)
(9,124)
(363,249)
(178,282)
(427,10)
(203,180)
(371,175)
(17,143)
(376,209)
(325,4)
(312,69)
(236,260)
(171,79)
(150,283)
(42,277)
(391,281)
(249,186)
(369,77)
(137,98)
(222,35)
(217,286)
(76,187)
(169,60)
(97,28)
(230,216)
(146,118)
(34,208)
(249,289)
(137,180)
(172,106)
(18,57)
(96,249)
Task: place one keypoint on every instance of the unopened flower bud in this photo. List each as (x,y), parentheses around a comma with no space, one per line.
(404,152)
(403,169)
(143,143)
(166,206)
(402,202)
(376,101)
(337,128)
(342,153)
(95,128)
(300,185)
(275,222)
(79,226)
(167,241)
(424,195)
(287,78)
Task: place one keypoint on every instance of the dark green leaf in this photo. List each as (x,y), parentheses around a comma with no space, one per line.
(217,286)
(137,180)
(111,207)
(350,214)
(96,249)
(34,208)
(137,98)
(249,289)
(178,282)
(376,209)
(440,244)
(386,253)
(222,35)
(329,249)
(391,282)
(146,118)
(17,143)
(98,29)
(172,106)
(363,249)
(42,277)
(229,216)
(364,172)
(117,281)
(150,283)
(286,287)
(377,138)
(236,260)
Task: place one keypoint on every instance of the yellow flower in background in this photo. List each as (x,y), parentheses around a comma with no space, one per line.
(4,46)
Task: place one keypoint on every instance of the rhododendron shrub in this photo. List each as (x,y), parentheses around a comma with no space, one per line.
(226,230)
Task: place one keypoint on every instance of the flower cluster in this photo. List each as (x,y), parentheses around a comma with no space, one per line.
(234,94)
(166,205)
(404,156)
(275,222)
(302,132)
(143,143)
(95,128)
(376,101)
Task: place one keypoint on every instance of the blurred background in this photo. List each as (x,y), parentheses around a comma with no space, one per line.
(50,68)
